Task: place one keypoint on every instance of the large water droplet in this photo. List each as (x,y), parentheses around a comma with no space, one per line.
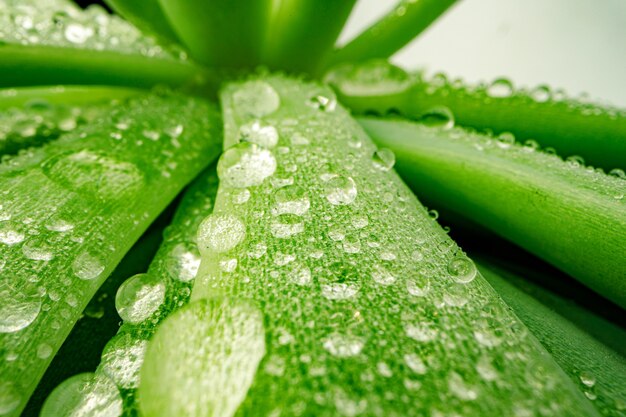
(87,266)
(84,395)
(122,358)
(291,200)
(384,159)
(255,132)
(462,269)
(245,164)
(139,297)
(18,309)
(256,99)
(343,345)
(220,233)
(340,190)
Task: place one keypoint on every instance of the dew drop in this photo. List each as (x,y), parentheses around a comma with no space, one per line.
(183,262)
(87,266)
(375,77)
(339,291)
(256,99)
(139,297)
(220,233)
(415,363)
(18,309)
(418,287)
(505,140)
(462,269)
(286,225)
(9,397)
(423,332)
(44,351)
(500,88)
(351,244)
(122,358)
(322,102)
(440,117)
(242,196)
(255,132)
(384,159)
(77,33)
(587,379)
(37,252)
(541,94)
(459,388)
(340,190)
(244,165)
(342,345)
(291,200)
(381,275)
(299,274)
(10,236)
(84,395)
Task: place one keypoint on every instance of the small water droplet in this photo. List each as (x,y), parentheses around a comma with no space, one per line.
(87,266)
(505,140)
(340,190)
(418,287)
(291,200)
(299,274)
(139,297)
(245,165)
(339,291)
(381,275)
(256,99)
(322,102)
(10,236)
(439,117)
(415,363)
(242,196)
(228,265)
(122,358)
(541,94)
(342,345)
(220,233)
(255,132)
(500,88)
(462,269)
(422,332)
(384,159)
(460,389)
(77,33)
(286,225)
(183,262)
(352,244)
(44,351)
(587,379)
(18,309)
(10,398)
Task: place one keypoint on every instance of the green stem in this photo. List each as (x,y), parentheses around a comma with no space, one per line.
(393,31)
(562,212)
(597,370)
(596,133)
(220,33)
(45,65)
(302,33)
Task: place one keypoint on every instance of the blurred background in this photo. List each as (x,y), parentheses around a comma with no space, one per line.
(577,45)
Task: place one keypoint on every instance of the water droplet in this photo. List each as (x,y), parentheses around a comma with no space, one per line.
(381,275)
(374,77)
(505,140)
(257,250)
(9,397)
(298,139)
(183,262)
(228,265)
(384,370)
(151,134)
(286,225)
(122,358)
(44,351)
(384,159)
(415,363)
(352,244)
(342,345)
(587,379)
(275,365)
(500,88)
(220,233)
(455,296)
(418,287)
(322,102)
(423,332)
(460,389)
(618,173)
(95,173)
(439,117)
(244,165)
(18,309)
(241,197)
(255,132)
(84,395)
(339,291)
(541,94)
(37,252)
(256,99)
(87,266)
(291,200)
(299,274)
(340,190)
(462,269)
(77,33)
(139,297)
(485,369)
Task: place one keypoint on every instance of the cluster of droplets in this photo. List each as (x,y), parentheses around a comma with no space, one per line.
(62,24)
(346,291)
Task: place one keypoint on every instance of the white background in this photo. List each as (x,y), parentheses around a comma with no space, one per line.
(578,45)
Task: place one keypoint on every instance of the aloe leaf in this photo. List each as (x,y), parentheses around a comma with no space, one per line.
(393,31)
(570,126)
(70,211)
(355,300)
(54,42)
(146,15)
(174,266)
(302,33)
(34,116)
(598,371)
(220,33)
(567,214)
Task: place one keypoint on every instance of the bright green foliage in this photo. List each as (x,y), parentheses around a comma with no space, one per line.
(147,15)
(40,115)
(368,307)
(49,42)
(220,33)
(173,269)
(598,371)
(572,127)
(572,216)
(72,208)
(387,36)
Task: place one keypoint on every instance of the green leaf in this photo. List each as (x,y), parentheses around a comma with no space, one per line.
(146,15)
(569,215)
(71,209)
(397,28)
(572,127)
(597,370)
(368,306)
(53,42)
